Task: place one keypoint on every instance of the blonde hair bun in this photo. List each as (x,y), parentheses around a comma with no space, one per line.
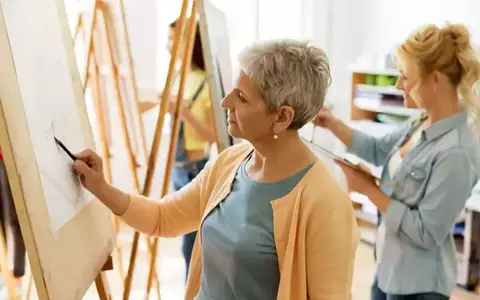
(448,50)
(459,35)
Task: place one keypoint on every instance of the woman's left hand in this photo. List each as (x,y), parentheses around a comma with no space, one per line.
(358,181)
(366,185)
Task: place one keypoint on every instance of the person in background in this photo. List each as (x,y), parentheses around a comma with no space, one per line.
(8,213)
(272,221)
(197,129)
(430,165)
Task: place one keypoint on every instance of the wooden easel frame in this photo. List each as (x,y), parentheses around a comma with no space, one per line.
(92,76)
(182,20)
(13,161)
(101,9)
(101,281)
(187,56)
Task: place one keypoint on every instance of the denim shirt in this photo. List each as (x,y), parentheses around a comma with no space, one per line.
(428,191)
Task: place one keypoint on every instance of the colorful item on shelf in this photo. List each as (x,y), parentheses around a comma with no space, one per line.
(385,80)
(371,79)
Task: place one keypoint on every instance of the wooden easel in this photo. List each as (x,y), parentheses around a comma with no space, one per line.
(190,37)
(37,232)
(92,77)
(101,281)
(102,37)
(182,20)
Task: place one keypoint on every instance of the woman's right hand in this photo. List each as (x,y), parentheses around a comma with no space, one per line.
(89,166)
(324,118)
(327,120)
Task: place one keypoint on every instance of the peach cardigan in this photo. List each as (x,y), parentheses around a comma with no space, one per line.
(316,233)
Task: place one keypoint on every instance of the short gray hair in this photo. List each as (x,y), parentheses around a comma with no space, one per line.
(288,72)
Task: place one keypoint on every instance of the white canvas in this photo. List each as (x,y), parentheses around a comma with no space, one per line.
(48,97)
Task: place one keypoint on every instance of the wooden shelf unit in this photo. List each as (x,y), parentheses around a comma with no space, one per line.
(364,80)
(375,92)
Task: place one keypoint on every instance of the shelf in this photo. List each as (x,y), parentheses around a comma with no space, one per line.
(387,90)
(376,106)
(388,72)
(473,203)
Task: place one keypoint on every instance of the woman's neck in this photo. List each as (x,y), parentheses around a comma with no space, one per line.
(443,108)
(275,160)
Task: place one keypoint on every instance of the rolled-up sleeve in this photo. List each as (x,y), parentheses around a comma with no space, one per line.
(375,150)
(427,225)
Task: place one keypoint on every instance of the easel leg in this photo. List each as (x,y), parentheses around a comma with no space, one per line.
(132,161)
(131,266)
(106,37)
(154,149)
(4,268)
(97,99)
(132,72)
(101,281)
(102,287)
(173,143)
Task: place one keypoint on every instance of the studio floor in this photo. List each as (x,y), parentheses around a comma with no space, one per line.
(171,268)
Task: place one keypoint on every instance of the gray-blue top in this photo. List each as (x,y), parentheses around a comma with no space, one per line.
(239,254)
(428,192)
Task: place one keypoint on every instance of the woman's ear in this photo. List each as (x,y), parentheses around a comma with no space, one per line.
(437,78)
(285,116)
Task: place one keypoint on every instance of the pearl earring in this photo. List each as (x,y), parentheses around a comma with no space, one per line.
(275,136)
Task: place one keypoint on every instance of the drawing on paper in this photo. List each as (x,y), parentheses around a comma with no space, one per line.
(50,107)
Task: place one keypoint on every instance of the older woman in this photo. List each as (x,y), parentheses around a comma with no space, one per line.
(272,222)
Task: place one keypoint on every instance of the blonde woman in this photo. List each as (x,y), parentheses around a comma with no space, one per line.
(272,222)
(430,165)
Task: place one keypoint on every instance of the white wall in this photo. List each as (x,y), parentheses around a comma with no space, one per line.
(370,28)
(142,18)
(346,29)
(343,36)
(390,28)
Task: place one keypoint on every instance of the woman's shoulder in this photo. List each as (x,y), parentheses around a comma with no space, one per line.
(461,141)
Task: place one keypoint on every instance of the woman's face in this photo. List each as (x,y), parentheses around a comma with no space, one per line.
(416,95)
(248,117)
(406,84)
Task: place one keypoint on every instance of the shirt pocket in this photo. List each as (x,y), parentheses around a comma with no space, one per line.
(412,188)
